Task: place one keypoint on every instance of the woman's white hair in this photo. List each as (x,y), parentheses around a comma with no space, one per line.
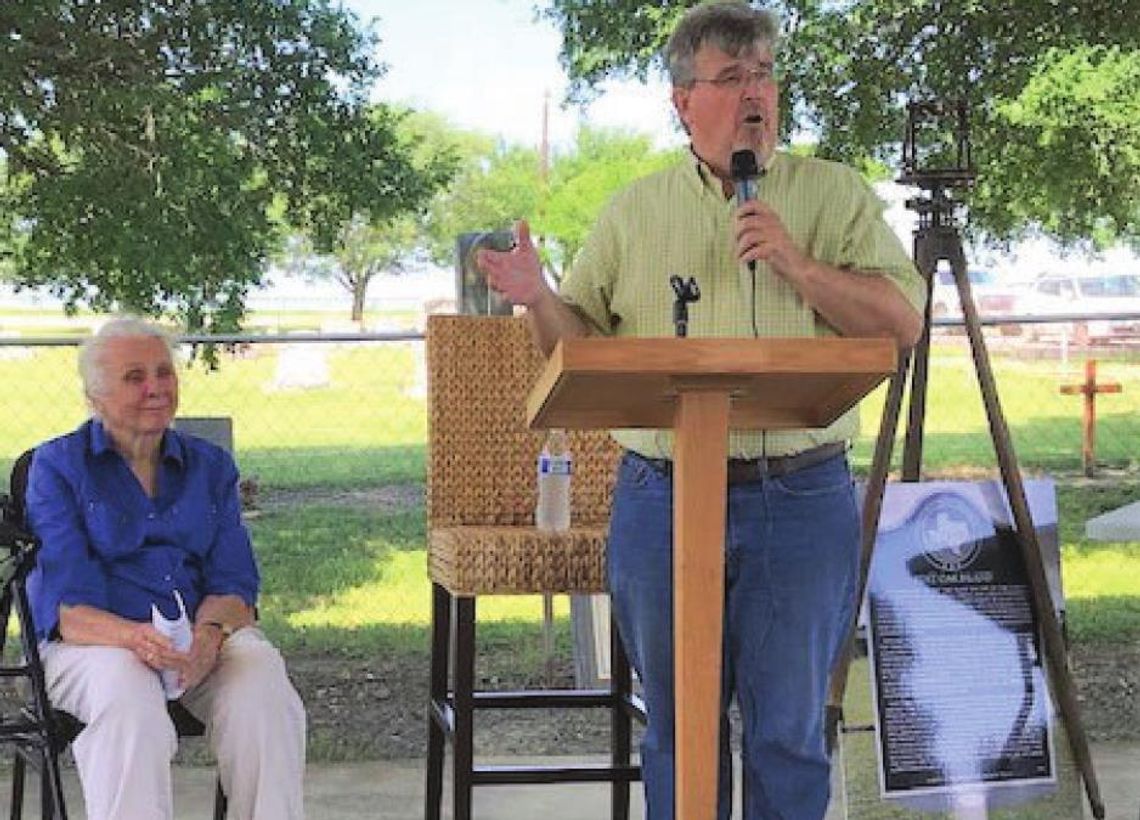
(92,369)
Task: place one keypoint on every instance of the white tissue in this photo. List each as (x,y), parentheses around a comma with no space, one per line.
(181,635)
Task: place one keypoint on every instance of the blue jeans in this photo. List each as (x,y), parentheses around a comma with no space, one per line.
(791,566)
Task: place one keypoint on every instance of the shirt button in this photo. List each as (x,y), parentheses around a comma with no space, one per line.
(150,516)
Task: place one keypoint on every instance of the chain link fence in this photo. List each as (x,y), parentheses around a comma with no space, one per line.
(330,432)
(347,411)
(331,411)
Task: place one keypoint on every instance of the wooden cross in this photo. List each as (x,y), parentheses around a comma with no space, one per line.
(1089,388)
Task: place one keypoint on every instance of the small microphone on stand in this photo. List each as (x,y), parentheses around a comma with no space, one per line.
(686,292)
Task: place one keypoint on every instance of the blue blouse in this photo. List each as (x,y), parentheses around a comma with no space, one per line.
(106,544)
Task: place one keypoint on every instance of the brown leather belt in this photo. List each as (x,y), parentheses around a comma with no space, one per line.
(744,470)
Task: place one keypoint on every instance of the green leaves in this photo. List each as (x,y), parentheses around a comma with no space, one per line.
(1074,166)
(1051,87)
(147,140)
(499,184)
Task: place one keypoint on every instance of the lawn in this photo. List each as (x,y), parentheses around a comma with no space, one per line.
(347,571)
(369,573)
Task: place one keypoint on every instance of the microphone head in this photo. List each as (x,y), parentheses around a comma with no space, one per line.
(743,164)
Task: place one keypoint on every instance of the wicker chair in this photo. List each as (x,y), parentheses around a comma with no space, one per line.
(482,541)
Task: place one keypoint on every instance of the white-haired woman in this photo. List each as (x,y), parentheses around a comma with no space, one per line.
(131,515)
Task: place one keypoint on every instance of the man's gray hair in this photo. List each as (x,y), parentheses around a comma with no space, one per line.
(733,27)
(91,366)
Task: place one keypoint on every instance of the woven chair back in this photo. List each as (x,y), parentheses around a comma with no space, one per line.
(481,454)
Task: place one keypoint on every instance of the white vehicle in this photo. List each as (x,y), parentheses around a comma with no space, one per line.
(1113,296)
(991,296)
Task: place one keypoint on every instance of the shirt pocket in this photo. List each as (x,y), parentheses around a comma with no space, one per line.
(112,531)
(193,527)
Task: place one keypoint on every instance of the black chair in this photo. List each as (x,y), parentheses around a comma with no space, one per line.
(42,732)
(32,731)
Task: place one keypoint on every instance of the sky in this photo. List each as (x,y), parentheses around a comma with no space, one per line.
(488,64)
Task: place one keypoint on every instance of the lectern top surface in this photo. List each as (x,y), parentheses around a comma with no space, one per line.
(773,383)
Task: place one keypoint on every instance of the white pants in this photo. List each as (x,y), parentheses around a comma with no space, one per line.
(255,725)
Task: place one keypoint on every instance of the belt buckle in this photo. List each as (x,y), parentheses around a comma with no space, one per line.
(744,470)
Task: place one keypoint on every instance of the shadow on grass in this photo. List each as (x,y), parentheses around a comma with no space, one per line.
(333,465)
(310,552)
(1043,445)
(507,650)
(1105,619)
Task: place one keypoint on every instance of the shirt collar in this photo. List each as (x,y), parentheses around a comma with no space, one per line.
(705,178)
(710,181)
(173,448)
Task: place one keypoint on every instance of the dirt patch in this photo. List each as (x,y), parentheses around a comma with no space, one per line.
(1108,689)
(383,498)
(364,709)
(377,709)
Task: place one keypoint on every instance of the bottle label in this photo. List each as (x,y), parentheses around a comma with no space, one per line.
(553,465)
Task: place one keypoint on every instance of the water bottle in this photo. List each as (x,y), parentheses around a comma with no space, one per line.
(552,514)
(181,635)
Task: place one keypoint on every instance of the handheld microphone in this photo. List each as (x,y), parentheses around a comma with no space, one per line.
(745,175)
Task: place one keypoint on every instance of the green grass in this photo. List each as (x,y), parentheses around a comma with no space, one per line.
(1101,580)
(1045,425)
(335,574)
(347,579)
(366,426)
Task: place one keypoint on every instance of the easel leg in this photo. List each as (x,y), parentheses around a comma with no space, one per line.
(872,504)
(1030,548)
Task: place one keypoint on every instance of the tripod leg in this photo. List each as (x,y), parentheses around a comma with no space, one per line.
(915,426)
(1027,540)
(872,504)
(926,255)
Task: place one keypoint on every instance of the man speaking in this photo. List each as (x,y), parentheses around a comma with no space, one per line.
(809,256)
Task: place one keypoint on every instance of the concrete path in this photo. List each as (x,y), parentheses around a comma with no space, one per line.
(393,790)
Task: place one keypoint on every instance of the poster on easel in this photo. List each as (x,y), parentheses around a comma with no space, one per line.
(961,705)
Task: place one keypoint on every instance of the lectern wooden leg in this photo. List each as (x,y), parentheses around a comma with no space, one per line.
(699,498)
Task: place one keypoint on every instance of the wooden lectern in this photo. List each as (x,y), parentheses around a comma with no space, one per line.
(702,388)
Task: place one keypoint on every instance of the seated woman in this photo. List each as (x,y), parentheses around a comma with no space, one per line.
(133,514)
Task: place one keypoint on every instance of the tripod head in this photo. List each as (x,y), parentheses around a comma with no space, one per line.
(937,165)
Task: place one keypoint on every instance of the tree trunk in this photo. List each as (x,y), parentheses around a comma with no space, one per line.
(359,289)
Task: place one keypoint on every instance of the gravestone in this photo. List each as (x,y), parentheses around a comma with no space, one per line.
(302,367)
(1121,524)
(218,430)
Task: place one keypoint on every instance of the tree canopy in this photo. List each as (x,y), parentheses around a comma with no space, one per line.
(155,148)
(499,184)
(1051,88)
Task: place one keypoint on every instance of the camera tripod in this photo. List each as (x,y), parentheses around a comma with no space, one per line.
(937,239)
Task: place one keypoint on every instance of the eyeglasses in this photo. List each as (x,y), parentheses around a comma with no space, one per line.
(735,79)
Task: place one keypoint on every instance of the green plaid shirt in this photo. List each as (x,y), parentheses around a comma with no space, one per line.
(678,221)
